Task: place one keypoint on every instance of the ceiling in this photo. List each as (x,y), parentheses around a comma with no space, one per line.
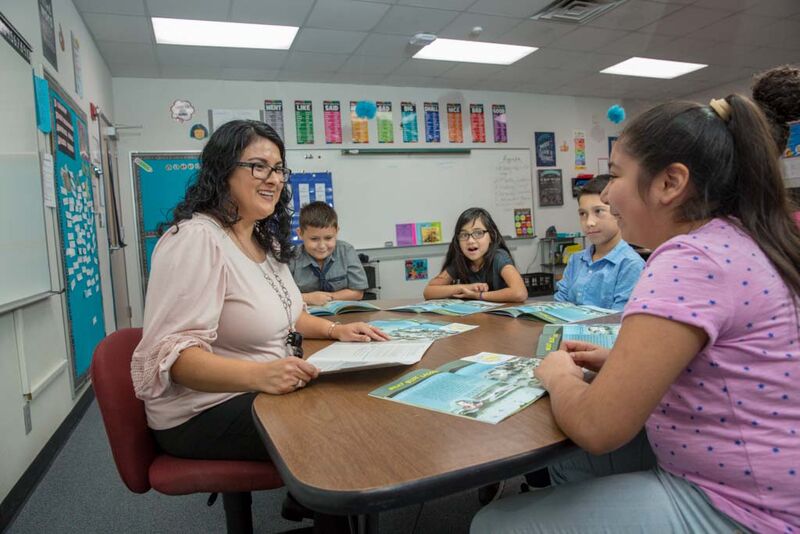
(366,42)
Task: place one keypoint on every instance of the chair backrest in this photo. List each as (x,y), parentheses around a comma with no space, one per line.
(132,442)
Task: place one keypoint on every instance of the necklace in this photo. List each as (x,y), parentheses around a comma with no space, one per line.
(294,339)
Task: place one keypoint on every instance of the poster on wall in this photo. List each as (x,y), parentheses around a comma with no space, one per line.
(383,117)
(273,115)
(359,125)
(523,222)
(417,269)
(500,123)
(579,140)
(64,132)
(477,123)
(48,27)
(455,127)
(551,190)
(432,128)
(77,69)
(408,122)
(545,143)
(332,117)
(304,122)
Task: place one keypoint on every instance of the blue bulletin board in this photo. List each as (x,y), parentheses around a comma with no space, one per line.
(74,201)
(160,180)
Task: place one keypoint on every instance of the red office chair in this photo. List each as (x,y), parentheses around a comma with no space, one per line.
(139,461)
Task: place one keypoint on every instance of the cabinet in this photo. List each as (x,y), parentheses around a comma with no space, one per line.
(551,250)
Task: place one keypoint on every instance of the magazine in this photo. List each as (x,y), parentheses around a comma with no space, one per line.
(454,307)
(602,335)
(486,387)
(335,307)
(344,356)
(555,312)
(419,329)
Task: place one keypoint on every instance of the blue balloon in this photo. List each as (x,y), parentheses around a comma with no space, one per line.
(616,114)
(366,109)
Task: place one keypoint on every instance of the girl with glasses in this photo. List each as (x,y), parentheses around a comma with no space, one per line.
(478,264)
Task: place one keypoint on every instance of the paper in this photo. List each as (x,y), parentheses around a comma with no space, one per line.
(48,180)
(342,356)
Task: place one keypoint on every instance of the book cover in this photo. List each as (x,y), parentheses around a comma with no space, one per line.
(554,312)
(454,307)
(486,387)
(420,329)
(602,335)
(335,307)
(429,232)
(405,234)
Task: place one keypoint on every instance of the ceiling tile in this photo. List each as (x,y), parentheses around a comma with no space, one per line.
(246,58)
(314,62)
(633,15)
(228,73)
(327,41)
(586,38)
(197,72)
(743,29)
(127,53)
(424,67)
(196,56)
(281,12)
(122,28)
(456,5)
(410,81)
(775,8)
(190,9)
(494,28)
(472,71)
(726,5)
(509,8)
(378,44)
(298,76)
(345,15)
(685,21)
(640,44)
(134,70)
(537,33)
(766,57)
(112,7)
(410,20)
(709,53)
(783,34)
(363,64)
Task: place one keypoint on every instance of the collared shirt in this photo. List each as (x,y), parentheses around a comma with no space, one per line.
(342,269)
(607,282)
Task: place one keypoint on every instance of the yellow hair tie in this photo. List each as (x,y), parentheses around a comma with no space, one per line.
(721,108)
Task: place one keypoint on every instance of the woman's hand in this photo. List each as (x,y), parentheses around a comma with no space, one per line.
(286,375)
(554,365)
(317,298)
(358,332)
(586,354)
(471,291)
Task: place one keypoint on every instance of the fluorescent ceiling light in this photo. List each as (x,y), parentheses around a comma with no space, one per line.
(653,68)
(223,34)
(474,52)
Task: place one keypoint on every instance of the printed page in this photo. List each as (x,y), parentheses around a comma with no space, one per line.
(343,356)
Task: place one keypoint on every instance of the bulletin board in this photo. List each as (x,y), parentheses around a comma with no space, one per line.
(76,221)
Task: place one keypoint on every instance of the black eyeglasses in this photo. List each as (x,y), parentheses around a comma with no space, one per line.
(475,234)
(262,171)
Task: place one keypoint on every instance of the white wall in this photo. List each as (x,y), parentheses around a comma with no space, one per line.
(35,334)
(146,103)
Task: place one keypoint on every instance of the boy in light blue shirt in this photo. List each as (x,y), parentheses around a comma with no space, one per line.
(605,273)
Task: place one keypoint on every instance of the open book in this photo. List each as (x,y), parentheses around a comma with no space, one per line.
(454,307)
(343,356)
(602,335)
(420,329)
(487,387)
(554,312)
(335,307)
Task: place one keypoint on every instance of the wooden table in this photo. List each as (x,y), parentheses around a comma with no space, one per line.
(340,451)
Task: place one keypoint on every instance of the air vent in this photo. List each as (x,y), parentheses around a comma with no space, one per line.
(576,11)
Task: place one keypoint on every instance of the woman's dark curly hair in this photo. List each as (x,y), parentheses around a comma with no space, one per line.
(210,192)
(777,92)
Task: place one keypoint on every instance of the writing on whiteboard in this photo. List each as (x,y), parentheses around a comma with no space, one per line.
(512,182)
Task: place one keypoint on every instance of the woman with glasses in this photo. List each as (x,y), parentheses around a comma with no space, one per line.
(478,264)
(223,318)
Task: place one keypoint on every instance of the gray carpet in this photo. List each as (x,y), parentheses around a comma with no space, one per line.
(82,493)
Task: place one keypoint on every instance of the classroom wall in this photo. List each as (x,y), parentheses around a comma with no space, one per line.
(35,334)
(146,103)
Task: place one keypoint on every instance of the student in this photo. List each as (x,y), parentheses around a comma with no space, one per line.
(603,274)
(777,92)
(478,264)
(707,356)
(325,268)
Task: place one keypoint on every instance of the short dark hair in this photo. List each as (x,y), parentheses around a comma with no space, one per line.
(595,186)
(318,215)
(777,92)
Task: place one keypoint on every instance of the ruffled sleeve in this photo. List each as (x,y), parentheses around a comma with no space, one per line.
(185,294)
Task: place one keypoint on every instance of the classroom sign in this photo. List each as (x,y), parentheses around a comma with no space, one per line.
(432,128)
(332,114)
(385,124)
(455,127)
(359,125)
(408,122)
(273,115)
(500,123)
(477,123)
(304,122)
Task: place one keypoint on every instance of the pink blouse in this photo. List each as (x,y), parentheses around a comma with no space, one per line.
(204,292)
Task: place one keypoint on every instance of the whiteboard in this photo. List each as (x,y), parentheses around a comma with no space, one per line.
(23,243)
(372,193)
